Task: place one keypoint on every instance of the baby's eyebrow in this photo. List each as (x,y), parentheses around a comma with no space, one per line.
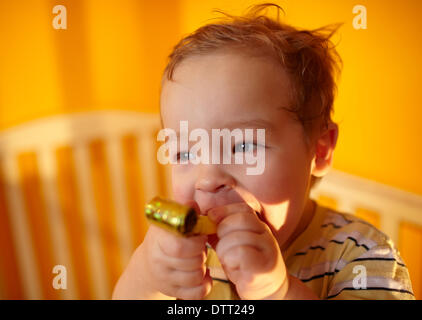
(245,124)
(252,124)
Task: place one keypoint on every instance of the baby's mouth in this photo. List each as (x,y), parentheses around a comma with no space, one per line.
(213,238)
(236,195)
(259,210)
(240,196)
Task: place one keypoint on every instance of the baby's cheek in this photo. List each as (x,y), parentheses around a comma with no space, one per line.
(268,187)
(182,190)
(179,193)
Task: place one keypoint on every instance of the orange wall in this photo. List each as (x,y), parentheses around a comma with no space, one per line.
(110,57)
(113,52)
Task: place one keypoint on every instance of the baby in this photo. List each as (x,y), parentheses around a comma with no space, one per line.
(272,240)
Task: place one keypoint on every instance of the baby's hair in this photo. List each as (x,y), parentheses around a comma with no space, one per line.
(308,56)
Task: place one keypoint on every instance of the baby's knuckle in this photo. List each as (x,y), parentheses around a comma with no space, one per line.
(243,218)
(176,249)
(243,252)
(196,277)
(195,262)
(160,272)
(239,236)
(158,257)
(219,248)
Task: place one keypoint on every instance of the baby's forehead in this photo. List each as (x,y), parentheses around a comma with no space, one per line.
(226,90)
(227,82)
(226,60)
(271,124)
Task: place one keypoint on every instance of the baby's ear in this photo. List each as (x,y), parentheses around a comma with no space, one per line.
(324,149)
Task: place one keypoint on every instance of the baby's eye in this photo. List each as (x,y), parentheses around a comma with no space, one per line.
(184,156)
(244,147)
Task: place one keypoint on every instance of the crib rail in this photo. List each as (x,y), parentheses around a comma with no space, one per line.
(395,212)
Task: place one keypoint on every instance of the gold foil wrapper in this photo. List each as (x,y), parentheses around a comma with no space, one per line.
(177,218)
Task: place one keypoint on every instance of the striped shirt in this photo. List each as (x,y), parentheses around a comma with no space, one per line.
(338,256)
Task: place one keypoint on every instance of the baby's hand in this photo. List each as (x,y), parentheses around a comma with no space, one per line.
(176,265)
(165,266)
(248,252)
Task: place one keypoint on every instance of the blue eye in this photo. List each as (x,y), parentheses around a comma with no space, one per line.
(244,147)
(184,156)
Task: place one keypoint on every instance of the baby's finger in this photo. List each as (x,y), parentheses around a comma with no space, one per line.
(187,278)
(179,247)
(217,214)
(238,239)
(240,222)
(244,258)
(185,264)
(195,293)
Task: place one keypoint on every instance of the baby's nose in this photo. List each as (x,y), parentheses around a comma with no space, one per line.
(212,179)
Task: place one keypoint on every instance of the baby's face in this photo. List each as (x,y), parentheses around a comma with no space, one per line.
(228,90)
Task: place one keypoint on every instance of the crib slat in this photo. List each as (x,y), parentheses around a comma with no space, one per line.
(101,184)
(9,270)
(19,225)
(390,226)
(370,216)
(135,189)
(327,201)
(118,187)
(410,246)
(59,245)
(96,259)
(36,214)
(70,203)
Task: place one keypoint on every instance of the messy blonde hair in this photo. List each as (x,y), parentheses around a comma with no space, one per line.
(308,56)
